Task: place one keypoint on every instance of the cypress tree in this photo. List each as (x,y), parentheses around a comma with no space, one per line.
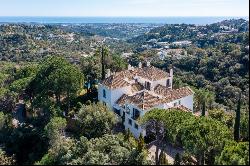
(177,159)
(237,121)
(163,159)
(127,135)
(204,108)
(141,143)
(103,62)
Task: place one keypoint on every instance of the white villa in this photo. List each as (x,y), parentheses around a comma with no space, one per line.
(133,92)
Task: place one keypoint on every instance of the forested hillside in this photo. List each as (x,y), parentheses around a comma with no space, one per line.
(49,109)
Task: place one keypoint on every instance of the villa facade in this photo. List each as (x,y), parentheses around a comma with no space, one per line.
(133,92)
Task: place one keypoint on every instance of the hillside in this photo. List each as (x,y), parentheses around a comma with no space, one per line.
(177,32)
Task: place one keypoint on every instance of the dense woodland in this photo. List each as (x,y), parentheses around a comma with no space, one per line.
(61,122)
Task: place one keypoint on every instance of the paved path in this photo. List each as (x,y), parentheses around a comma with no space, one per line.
(169,150)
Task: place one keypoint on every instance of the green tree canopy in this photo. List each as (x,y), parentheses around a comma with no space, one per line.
(56,78)
(106,150)
(195,134)
(234,154)
(55,128)
(95,120)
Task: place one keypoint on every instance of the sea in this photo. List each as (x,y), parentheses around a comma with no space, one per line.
(117,20)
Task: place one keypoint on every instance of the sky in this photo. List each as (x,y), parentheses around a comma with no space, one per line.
(145,8)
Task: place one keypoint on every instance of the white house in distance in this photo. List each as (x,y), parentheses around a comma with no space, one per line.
(133,92)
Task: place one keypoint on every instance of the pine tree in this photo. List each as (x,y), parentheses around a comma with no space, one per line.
(177,159)
(141,143)
(204,108)
(237,121)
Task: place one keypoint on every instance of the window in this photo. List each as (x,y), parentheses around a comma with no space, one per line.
(118,112)
(147,85)
(168,83)
(180,102)
(127,109)
(136,126)
(130,122)
(136,114)
(128,112)
(104,93)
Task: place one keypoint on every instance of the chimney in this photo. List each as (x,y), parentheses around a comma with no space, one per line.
(148,64)
(108,74)
(140,65)
(171,73)
(130,67)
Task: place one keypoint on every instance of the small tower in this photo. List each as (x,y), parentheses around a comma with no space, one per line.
(148,63)
(130,67)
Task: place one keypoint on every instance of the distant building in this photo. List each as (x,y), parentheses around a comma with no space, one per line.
(126,55)
(182,43)
(178,53)
(133,92)
(152,41)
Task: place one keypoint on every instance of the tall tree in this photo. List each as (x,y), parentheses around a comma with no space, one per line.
(234,154)
(202,95)
(195,134)
(177,159)
(237,121)
(55,128)
(163,159)
(55,79)
(95,120)
(104,56)
(153,123)
(204,108)
(140,143)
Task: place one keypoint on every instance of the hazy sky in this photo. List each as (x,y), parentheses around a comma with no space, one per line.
(124,7)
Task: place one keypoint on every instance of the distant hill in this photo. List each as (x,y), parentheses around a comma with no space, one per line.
(31,42)
(175,32)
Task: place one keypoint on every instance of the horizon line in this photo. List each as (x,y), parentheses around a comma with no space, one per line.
(126,16)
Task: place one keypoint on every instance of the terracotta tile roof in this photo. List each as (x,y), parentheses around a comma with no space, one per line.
(114,82)
(118,80)
(142,100)
(145,100)
(151,73)
(171,95)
